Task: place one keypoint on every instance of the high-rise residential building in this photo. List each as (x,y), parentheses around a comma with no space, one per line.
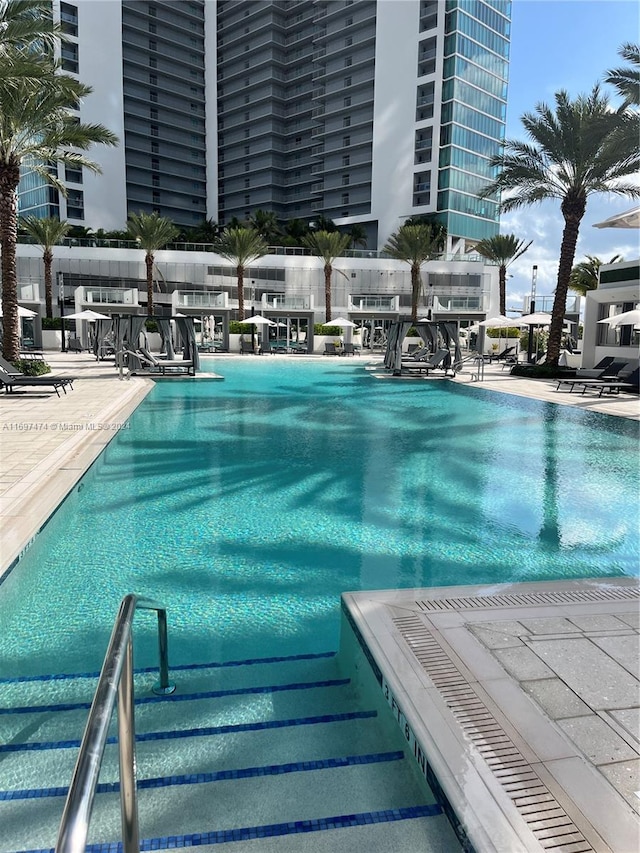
(360,111)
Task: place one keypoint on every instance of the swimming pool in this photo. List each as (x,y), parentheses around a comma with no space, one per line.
(248,505)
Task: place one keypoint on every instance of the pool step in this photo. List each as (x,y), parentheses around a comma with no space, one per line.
(250,755)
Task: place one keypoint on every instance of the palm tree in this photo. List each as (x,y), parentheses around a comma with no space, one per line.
(38,129)
(27,37)
(416,244)
(504,249)
(327,245)
(627,78)
(585,275)
(576,151)
(358,235)
(265,222)
(46,232)
(151,231)
(241,246)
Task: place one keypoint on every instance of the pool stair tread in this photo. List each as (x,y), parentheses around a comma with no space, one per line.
(218,805)
(55,688)
(259,750)
(44,728)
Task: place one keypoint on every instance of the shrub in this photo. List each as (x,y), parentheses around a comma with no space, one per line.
(511,332)
(31,367)
(50,323)
(238,328)
(329,331)
(151,325)
(541,371)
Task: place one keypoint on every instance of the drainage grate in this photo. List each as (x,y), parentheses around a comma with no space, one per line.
(544,816)
(525,599)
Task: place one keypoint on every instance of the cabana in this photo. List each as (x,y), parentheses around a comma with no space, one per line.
(434,334)
(129,329)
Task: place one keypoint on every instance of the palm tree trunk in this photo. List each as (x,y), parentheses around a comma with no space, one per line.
(502,278)
(328,269)
(415,292)
(47,257)
(149,264)
(573,210)
(240,272)
(9,178)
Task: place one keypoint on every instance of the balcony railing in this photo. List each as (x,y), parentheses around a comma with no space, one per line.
(275,301)
(198,299)
(110,296)
(359,302)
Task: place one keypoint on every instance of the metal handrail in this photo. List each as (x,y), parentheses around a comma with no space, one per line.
(115,681)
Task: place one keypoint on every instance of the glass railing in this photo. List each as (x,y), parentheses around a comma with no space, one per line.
(373,303)
(271,301)
(197,299)
(110,296)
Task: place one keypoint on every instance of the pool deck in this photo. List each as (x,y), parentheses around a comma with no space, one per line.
(524,697)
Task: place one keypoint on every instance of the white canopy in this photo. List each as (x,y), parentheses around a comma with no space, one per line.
(22,312)
(258,320)
(88,314)
(628,219)
(628,318)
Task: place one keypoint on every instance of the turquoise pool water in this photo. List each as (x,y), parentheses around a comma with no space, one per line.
(248,505)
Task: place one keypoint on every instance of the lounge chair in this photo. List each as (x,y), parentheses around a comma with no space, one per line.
(75,345)
(247,347)
(506,352)
(13,381)
(592,373)
(331,349)
(441,359)
(623,382)
(167,365)
(350,349)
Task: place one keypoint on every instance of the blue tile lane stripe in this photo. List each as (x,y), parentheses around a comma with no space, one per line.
(246,833)
(219,776)
(21,679)
(200,732)
(184,697)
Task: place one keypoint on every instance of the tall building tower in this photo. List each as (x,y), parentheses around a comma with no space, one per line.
(361,111)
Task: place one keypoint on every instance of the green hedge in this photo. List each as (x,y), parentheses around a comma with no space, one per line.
(511,332)
(31,366)
(541,371)
(51,323)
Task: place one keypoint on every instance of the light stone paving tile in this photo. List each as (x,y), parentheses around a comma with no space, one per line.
(522,664)
(509,626)
(631,619)
(549,625)
(589,672)
(555,698)
(603,622)
(624,650)
(597,740)
(495,639)
(625,778)
(629,719)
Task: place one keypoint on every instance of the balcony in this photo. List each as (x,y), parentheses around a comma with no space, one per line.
(110,296)
(282,302)
(373,304)
(458,303)
(198,299)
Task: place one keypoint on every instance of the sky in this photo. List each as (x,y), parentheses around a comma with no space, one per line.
(564,44)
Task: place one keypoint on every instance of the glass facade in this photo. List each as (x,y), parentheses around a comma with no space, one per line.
(473,113)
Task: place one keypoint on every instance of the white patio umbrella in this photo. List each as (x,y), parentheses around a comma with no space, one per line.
(88,314)
(500,322)
(22,312)
(628,318)
(628,219)
(343,323)
(539,318)
(258,320)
